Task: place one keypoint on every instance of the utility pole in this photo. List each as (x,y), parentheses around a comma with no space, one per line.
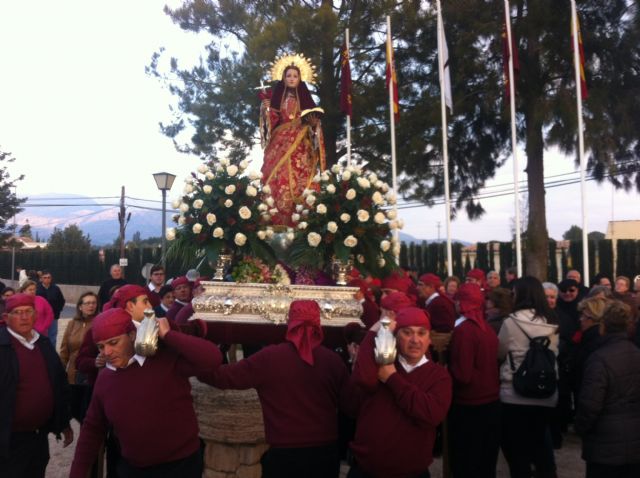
(123,219)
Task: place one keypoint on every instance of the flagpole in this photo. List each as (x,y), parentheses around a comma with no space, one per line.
(514,139)
(393,135)
(346,41)
(576,65)
(445,150)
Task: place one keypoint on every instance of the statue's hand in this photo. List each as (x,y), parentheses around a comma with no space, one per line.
(266,103)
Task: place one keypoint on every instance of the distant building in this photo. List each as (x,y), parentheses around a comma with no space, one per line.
(26,243)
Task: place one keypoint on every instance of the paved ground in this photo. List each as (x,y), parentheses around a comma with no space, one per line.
(568,460)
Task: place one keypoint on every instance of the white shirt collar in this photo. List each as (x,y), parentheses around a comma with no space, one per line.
(164,307)
(431,298)
(410,368)
(459,320)
(136,358)
(181,302)
(30,344)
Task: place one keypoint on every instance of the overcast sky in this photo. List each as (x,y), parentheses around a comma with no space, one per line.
(81,117)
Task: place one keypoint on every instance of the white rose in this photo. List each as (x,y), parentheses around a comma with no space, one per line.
(219,169)
(273,211)
(230,189)
(351,169)
(182,220)
(211,219)
(232,170)
(243,164)
(262,207)
(209,175)
(295,217)
(240,239)
(302,226)
(290,236)
(270,202)
(228,203)
(400,223)
(363,216)
(351,241)
(331,189)
(391,198)
(266,217)
(269,233)
(184,207)
(324,176)
(197,228)
(335,168)
(351,194)
(306,192)
(188,188)
(207,189)
(379,218)
(381,262)
(346,176)
(385,245)
(253,175)
(266,189)
(251,191)
(262,235)
(373,178)
(321,209)
(224,162)
(384,188)
(313,238)
(198,203)
(316,178)
(176,203)
(364,183)
(244,212)
(310,199)
(344,217)
(305,212)
(392,214)
(393,224)
(378,184)
(332,227)
(377,198)
(203,168)
(170,233)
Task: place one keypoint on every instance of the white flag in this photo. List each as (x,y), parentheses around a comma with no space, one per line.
(445,76)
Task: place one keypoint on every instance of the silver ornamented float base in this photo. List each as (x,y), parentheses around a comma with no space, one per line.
(269,303)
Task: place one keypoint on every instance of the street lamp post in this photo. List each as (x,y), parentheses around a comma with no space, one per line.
(164,181)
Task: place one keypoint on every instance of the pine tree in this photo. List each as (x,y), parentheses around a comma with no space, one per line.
(9,202)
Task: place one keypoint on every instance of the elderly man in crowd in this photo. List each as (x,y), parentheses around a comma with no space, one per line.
(112,283)
(182,293)
(147,401)
(52,293)
(405,402)
(34,393)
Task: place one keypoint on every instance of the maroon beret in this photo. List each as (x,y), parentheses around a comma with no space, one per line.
(110,324)
(412,317)
(19,300)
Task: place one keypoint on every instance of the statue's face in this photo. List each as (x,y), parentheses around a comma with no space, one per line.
(292,78)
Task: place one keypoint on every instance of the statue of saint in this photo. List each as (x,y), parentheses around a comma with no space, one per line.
(292,136)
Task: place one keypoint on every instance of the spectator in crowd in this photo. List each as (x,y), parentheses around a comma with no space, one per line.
(34,393)
(441,311)
(44,312)
(493,280)
(156,282)
(476,276)
(72,340)
(7,292)
(636,285)
(601,279)
(591,313)
(52,294)
(451,285)
(608,414)
(576,276)
(404,403)
(186,312)
(601,291)
(22,275)
(182,292)
(301,385)
(510,275)
(370,309)
(474,418)
(525,420)
(108,287)
(166,301)
(161,385)
(498,306)
(622,291)
(568,300)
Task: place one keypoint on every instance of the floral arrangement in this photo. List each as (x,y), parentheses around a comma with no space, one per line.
(254,270)
(222,210)
(348,216)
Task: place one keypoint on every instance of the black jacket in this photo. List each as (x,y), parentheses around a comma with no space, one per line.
(54,296)
(608,413)
(9,374)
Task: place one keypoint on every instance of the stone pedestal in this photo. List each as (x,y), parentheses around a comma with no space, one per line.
(232,428)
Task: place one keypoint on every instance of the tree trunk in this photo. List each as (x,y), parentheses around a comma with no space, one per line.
(537,237)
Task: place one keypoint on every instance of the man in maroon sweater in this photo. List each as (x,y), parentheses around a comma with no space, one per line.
(147,401)
(474,419)
(183,293)
(301,385)
(405,402)
(440,309)
(34,393)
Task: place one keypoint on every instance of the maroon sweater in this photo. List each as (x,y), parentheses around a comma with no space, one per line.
(149,407)
(396,426)
(442,314)
(299,401)
(34,396)
(473,364)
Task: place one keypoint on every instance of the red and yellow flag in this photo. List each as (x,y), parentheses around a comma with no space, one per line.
(583,79)
(345,81)
(393,79)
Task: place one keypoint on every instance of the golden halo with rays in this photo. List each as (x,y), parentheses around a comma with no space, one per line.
(307,70)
